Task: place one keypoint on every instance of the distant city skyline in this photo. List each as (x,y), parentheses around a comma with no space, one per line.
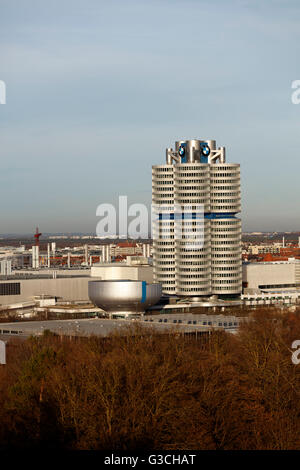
(95,92)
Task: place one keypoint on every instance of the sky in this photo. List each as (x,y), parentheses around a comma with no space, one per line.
(97,90)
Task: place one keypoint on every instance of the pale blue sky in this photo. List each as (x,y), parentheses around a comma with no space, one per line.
(96,90)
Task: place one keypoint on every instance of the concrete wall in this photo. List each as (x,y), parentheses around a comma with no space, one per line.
(256,274)
(68,288)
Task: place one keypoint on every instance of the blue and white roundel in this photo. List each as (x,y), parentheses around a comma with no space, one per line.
(181,151)
(205,149)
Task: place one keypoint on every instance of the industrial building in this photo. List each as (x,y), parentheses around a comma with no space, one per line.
(50,256)
(66,285)
(21,288)
(196,175)
(184,324)
(62,274)
(271,276)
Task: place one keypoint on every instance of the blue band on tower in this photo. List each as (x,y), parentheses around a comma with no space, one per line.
(144,292)
(195,215)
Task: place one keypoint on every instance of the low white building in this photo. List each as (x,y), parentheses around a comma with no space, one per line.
(68,284)
(114,271)
(271,276)
(261,249)
(19,289)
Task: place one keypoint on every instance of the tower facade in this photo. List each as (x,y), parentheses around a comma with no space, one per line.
(196,176)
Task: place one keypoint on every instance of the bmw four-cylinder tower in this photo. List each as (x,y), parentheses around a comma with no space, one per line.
(197,178)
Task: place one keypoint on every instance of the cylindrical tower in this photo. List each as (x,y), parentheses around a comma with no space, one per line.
(226,268)
(197,180)
(163,227)
(192,256)
(225,188)
(226,254)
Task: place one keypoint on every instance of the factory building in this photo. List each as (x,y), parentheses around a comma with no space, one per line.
(68,284)
(16,288)
(169,324)
(271,276)
(196,175)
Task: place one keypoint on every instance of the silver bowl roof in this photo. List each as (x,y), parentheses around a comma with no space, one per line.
(124,295)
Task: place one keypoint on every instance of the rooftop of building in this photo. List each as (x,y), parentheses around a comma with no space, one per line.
(126,245)
(259,263)
(105,327)
(24,276)
(121,264)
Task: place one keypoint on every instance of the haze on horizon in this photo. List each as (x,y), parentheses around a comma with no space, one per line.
(97,90)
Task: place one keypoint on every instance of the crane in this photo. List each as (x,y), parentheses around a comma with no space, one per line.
(37,237)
